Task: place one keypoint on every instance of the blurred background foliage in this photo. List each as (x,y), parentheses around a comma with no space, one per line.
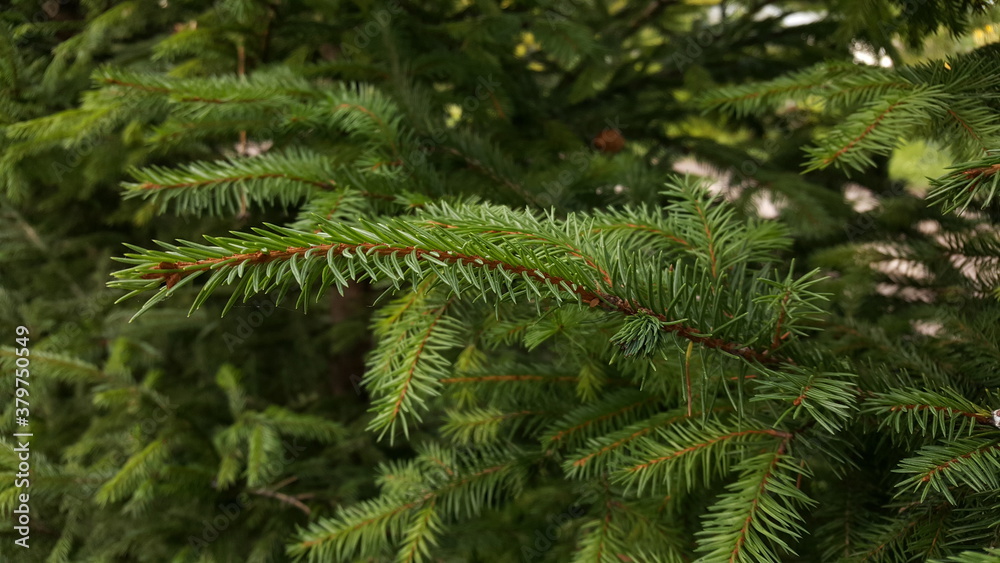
(184,437)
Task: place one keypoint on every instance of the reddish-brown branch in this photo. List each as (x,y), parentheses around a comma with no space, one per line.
(486,471)
(901,85)
(496,106)
(977,175)
(798,400)
(939,468)
(641,432)
(965,125)
(649,229)
(416,360)
(756,501)
(158,90)
(384,197)
(604,531)
(414,545)
(282,497)
(497,378)
(900,533)
(781,319)
(573,250)
(173,272)
(428,496)
(981,418)
(981,172)
(584,460)
(934,542)
(115,82)
(377,165)
(152,186)
(505,416)
(717,439)
(687,379)
(443,466)
(377,119)
(366,522)
(863,134)
(242,123)
(589,422)
(711,242)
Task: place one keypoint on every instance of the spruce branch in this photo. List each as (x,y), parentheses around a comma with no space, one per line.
(876,109)
(876,129)
(55,365)
(408,361)
(139,468)
(414,517)
(509,387)
(256,88)
(600,453)
(599,417)
(945,412)
(226,186)
(826,398)
(673,456)
(896,537)
(969,183)
(988,556)
(263,444)
(751,521)
(489,262)
(484,425)
(754,99)
(968,462)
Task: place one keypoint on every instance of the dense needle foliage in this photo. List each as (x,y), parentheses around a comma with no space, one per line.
(502,281)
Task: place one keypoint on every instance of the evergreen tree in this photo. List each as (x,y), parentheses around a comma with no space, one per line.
(915,304)
(575,354)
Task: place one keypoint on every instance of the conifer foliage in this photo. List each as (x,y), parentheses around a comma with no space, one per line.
(576,354)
